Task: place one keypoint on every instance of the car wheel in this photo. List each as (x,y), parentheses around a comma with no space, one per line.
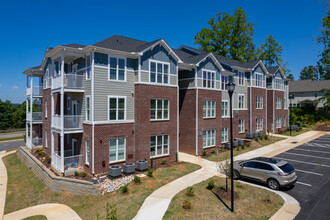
(273,184)
(236,175)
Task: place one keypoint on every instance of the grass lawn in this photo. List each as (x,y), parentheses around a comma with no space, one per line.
(303,130)
(254,145)
(24,189)
(11,138)
(251,203)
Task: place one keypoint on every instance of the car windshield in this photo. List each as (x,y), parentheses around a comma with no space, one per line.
(287,168)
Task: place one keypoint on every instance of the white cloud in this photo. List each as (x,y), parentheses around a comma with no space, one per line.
(14,87)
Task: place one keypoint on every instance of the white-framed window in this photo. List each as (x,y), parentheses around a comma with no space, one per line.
(284,121)
(46,138)
(278,122)
(87,152)
(241,126)
(88,61)
(278,83)
(259,79)
(159,109)
(225,109)
(259,101)
(208,79)
(224,81)
(158,72)
(88,108)
(208,138)
(208,109)
(117,108)
(241,101)
(46,109)
(117,149)
(68,102)
(278,103)
(259,124)
(241,77)
(159,145)
(117,69)
(285,103)
(224,135)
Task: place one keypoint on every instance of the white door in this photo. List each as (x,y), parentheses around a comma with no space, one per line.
(74,142)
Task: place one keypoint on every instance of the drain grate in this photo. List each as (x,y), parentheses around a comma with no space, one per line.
(294,142)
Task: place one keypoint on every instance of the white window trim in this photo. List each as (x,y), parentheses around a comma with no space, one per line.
(88,97)
(160,155)
(255,78)
(225,82)
(116,161)
(244,103)
(125,108)
(261,124)
(117,68)
(284,121)
(169,72)
(278,122)
(46,109)
(214,81)
(212,105)
(222,134)
(208,138)
(162,119)
(261,101)
(280,105)
(285,103)
(239,79)
(241,126)
(46,138)
(90,66)
(87,154)
(228,110)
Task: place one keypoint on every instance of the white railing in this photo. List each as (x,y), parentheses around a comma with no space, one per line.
(71,81)
(56,121)
(37,116)
(47,83)
(34,90)
(56,82)
(57,162)
(29,116)
(28,142)
(37,142)
(261,84)
(73,121)
(73,161)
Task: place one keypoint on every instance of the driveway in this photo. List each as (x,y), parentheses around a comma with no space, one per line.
(312,163)
(7,145)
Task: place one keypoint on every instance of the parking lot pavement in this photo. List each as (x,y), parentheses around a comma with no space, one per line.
(312,164)
(7,145)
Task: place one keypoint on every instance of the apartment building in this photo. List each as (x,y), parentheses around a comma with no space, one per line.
(122,100)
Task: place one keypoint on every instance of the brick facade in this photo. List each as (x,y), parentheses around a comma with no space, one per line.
(257,113)
(272,112)
(46,122)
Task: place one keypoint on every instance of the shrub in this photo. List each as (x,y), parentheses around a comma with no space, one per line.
(280,131)
(266,137)
(267,198)
(152,162)
(124,189)
(83,174)
(163,161)
(238,148)
(238,184)
(186,204)
(243,146)
(41,154)
(256,139)
(111,212)
(213,151)
(24,136)
(149,173)
(48,159)
(39,149)
(76,173)
(210,184)
(248,144)
(190,191)
(137,179)
(204,153)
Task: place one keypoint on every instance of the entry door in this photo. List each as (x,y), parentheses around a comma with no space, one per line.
(74,142)
(74,113)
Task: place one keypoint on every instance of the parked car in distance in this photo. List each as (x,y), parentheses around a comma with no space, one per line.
(275,173)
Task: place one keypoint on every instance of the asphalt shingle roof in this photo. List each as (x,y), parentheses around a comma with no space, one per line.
(308,85)
(74,45)
(121,43)
(272,70)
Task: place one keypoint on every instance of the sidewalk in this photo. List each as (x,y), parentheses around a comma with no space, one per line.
(155,206)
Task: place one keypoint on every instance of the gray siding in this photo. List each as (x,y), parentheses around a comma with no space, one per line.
(173,80)
(103,88)
(189,83)
(239,90)
(209,65)
(144,76)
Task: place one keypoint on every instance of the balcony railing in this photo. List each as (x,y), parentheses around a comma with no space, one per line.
(255,83)
(57,162)
(70,162)
(47,83)
(71,81)
(34,90)
(70,121)
(37,116)
(37,142)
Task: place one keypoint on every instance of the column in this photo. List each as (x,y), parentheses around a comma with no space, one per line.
(31,111)
(62,112)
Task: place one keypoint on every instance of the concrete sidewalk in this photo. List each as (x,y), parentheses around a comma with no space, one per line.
(155,206)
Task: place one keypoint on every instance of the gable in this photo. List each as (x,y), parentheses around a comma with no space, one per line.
(278,74)
(208,64)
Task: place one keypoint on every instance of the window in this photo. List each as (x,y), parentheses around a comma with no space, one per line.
(224,109)
(224,135)
(284,121)
(101,59)
(87,151)
(46,109)
(88,109)
(285,103)
(88,66)
(241,126)
(315,95)
(258,80)
(278,122)
(259,102)
(46,139)
(224,81)
(241,76)
(259,124)
(241,101)
(117,147)
(208,138)
(208,79)
(250,164)
(117,69)
(278,103)
(159,109)
(159,72)
(208,109)
(117,107)
(159,145)
(263,166)
(278,83)
(68,102)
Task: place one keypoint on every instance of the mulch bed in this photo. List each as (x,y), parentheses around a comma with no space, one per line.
(221,193)
(323,128)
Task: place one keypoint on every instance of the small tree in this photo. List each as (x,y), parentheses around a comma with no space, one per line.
(224,168)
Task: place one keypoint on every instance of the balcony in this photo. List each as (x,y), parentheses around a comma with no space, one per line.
(47,83)
(260,84)
(34,90)
(35,117)
(70,122)
(71,162)
(71,81)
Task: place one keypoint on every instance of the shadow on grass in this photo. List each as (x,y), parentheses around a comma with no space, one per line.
(223,202)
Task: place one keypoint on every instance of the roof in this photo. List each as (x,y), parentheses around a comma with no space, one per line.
(73,45)
(188,58)
(249,64)
(121,43)
(308,85)
(33,69)
(272,70)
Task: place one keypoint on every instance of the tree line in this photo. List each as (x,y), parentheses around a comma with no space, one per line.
(12,115)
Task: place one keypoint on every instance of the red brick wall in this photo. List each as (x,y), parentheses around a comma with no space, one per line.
(188,121)
(46,122)
(257,113)
(87,134)
(271,108)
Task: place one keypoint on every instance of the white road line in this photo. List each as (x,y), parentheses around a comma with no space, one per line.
(316,151)
(305,155)
(316,164)
(305,184)
(318,145)
(304,171)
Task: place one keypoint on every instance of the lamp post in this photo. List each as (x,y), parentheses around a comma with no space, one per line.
(291,96)
(231,88)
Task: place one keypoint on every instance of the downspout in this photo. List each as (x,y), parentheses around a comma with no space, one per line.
(274,109)
(93,123)
(250,101)
(178,115)
(196,117)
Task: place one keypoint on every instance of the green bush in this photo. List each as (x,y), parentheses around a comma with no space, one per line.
(137,179)
(76,173)
(149,173)
(152,162)
(186,204)
(111,212)
(248,144)
(48,159)
(83,174)
(124,189)
(238,148)
(243,146)
(41,154)
(266,137)
(204,153)
(210,184)
(256,139)
(190,191)
(163,161)
(213,151)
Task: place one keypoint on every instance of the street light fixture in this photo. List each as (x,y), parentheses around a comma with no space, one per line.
(231,88)
(291,96)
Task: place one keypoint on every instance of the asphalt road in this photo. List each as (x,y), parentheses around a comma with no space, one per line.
(6,145)
(312,190)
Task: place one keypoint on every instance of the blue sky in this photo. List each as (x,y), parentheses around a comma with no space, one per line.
(29,27)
